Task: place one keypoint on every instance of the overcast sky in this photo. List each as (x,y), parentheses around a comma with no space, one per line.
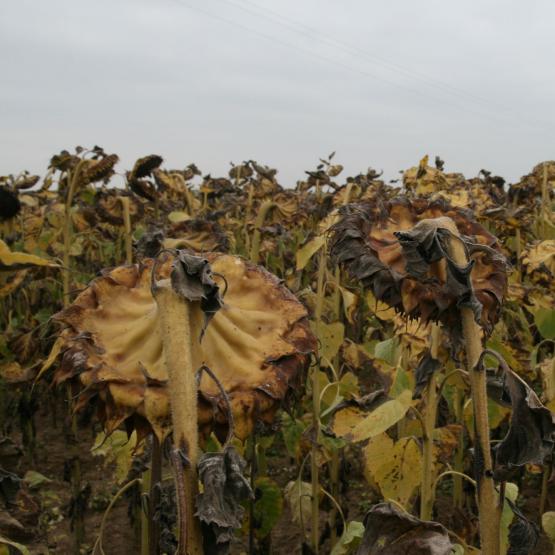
(210,81)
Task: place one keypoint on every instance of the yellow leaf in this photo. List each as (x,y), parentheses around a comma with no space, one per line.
(380,310)
(16,260)
(307,251)
(175,217)
(382,418)
(394,466)
(350,302)
(56,348)
(13,283)
(345,420)
(330,337)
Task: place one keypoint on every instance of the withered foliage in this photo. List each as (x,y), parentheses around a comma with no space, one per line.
(406,265)
(258,344)
(219,506)
(388,531)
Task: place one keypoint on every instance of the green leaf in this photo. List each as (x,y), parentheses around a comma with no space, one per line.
(18,546)
(544,319)
(292,430)
(35,479)
(307,251)
(548,525)
(299,495)
(267,507)
(511,493)
(388,351)
(176,217)
(382,418)
(116,448)
(331,338)
(350,538)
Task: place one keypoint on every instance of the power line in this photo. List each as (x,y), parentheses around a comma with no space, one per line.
(351,49)
(235,24)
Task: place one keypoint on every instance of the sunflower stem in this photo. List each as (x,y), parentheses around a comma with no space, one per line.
(431,399)
(181,323)
(258,223)
(127,230)
(314,470)
(488,502)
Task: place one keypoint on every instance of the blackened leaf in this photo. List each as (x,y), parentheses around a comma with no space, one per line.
(531,434)
(219,506)
(424,371)
(421,247)
(388,531)
(150,244)
(9,204)
(145,166)
(191,278)
(9,486)
(460,285)
(523,534)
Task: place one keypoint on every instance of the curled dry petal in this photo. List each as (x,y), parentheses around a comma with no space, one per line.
(257,344)
(405,264)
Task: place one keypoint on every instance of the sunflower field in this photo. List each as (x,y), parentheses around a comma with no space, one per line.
(208,365)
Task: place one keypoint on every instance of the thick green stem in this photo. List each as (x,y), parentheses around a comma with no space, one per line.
(181,322)
(431,399)
(488,501)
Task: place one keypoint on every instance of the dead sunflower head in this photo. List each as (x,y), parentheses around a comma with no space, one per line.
(397,250)
(257,344)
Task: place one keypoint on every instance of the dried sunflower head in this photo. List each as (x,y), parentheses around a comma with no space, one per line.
(404,263)
(199,235)
(257,344)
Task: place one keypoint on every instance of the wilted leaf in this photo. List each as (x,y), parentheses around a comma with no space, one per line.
(388,531)
(35,479)
(21,548)
(548,525)
(388,351)
(350,538)
(192,279)
(116,448)
(307,251)
(219,505)
(53,355)
(268,505)
(544,319)
(176,216)
(423,373)
(531,434)
(392,465)
(331,338)
(18,260)
(511,493)
(381,418)
(299,495)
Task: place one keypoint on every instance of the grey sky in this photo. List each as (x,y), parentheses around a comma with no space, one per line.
(208,81)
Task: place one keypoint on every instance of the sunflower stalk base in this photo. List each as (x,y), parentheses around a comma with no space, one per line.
(181,324)
(488,500)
